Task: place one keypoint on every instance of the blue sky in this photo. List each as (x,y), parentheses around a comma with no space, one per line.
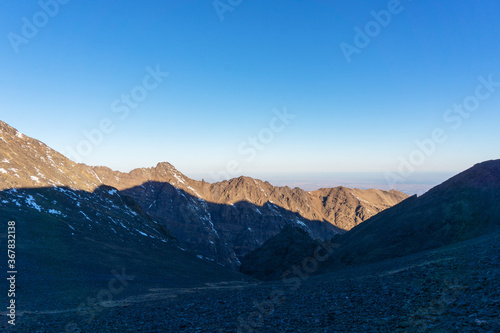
(225,78)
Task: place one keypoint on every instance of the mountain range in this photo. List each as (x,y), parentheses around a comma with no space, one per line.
(222,221)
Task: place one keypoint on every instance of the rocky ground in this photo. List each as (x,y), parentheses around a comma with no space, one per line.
(454,289)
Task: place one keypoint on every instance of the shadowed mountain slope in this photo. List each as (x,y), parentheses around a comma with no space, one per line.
(223,232)
(342,207)
(464,207)
(279,253)
(75,242)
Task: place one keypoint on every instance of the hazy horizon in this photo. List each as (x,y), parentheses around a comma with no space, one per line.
(417,184)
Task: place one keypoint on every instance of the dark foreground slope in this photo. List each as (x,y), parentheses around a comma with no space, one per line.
(450,289)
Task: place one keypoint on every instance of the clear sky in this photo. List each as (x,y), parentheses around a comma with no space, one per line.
(361,91)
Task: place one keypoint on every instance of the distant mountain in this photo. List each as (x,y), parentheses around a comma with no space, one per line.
(462,208)
(340,206)
(226,220)
(222,221)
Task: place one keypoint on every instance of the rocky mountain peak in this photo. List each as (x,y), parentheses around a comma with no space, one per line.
(166,167)
(29,163)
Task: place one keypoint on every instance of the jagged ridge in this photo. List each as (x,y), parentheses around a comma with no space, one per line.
(223,221)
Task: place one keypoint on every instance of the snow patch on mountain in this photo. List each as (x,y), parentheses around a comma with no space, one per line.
(31,202)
